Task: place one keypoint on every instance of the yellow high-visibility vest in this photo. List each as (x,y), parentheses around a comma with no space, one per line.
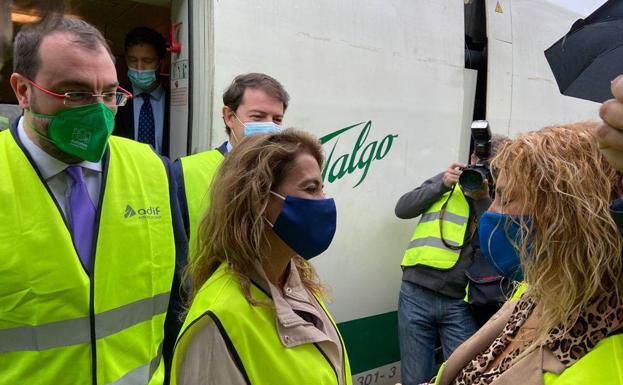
(198,171)
(251,330)
(602,365)
(426,247)
(58,325)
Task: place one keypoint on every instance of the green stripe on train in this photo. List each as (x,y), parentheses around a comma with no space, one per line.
(371,341)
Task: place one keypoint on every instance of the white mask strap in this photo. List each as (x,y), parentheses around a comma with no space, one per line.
(233,133)
(232,130)
(280,196)
(237,118)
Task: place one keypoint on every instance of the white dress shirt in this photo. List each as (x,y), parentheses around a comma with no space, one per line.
(52,171)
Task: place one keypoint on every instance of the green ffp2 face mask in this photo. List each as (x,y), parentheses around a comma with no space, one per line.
(81,131)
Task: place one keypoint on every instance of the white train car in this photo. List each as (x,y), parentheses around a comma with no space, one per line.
(389,85)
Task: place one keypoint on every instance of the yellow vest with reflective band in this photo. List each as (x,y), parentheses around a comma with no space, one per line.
(252,332)
(426,247)
(198,170)
(602,365)
(58,325)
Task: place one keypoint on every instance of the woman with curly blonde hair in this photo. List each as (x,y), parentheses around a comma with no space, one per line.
(550,225)
(257,316)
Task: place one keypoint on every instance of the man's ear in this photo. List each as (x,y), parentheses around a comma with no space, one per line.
(21,88)
(228,116)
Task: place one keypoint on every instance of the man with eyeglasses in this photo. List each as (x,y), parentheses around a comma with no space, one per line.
(91,237)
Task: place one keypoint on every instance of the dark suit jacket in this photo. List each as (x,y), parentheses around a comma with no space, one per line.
(124,121)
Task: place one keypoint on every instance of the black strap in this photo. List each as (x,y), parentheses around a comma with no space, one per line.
(615,332)
(442,211)
(230,346)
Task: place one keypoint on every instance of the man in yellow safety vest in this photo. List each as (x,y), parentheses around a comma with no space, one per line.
(91,237)
(435,265)
(253,103)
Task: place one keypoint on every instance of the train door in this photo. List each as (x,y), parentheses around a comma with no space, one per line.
(191,76)
(180,77)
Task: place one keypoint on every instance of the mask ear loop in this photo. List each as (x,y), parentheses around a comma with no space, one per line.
(279,196)
(237,118)
(234,135)
(232,130)
(32,127)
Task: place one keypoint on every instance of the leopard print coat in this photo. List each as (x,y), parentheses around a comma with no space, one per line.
(601,317)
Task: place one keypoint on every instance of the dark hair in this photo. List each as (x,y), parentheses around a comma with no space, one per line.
(232,97)
(26,60)
(144,35)
(496,142)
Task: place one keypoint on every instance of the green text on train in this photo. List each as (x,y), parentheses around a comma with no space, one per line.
(360,158)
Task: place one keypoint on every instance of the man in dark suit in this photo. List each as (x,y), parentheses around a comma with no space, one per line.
(146,117)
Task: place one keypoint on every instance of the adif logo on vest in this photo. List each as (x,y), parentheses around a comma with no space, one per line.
(129,212)
(144,213)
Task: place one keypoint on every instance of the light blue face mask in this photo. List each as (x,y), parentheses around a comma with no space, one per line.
(254,128)
(142,79)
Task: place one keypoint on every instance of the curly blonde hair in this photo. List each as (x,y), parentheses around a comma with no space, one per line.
(233,230)
(564,184)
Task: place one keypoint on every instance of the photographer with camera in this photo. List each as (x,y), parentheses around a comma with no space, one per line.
(443,252)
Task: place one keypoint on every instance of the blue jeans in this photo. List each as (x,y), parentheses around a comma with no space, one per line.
(422,313)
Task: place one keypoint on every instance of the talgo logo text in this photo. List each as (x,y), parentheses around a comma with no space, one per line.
(360,158)
(142,213)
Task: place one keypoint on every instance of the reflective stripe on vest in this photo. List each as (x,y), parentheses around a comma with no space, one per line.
(49,324)
(426,246)
(251,329)
(198,170)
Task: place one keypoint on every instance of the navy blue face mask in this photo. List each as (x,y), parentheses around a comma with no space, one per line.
(307,226)
(498,234)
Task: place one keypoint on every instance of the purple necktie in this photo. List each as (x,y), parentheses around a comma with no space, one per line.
(82,215)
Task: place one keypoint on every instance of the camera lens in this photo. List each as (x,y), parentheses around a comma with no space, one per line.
(471,179)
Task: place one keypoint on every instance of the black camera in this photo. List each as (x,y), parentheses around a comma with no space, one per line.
(474,175)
